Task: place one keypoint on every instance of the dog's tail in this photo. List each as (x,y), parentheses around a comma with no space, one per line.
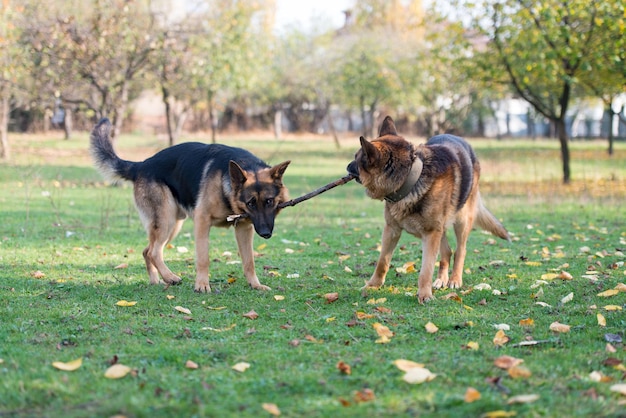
(106,160)
(487,221)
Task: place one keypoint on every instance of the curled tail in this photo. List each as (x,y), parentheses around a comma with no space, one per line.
(106,160)
(487,221)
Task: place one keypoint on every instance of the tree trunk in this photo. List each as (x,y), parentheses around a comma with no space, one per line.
(212,118)
(5,151)
(364,116)
(165,95)
(333,131)
(610,134)
(120,111)
(278,123)
(68,122)
(559,124)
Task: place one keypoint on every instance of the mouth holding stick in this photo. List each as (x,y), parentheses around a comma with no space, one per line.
(293,202)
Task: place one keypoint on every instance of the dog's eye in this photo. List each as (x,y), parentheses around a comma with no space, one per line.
(269,202)
(251,203)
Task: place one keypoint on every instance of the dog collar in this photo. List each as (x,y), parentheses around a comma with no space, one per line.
(407,186)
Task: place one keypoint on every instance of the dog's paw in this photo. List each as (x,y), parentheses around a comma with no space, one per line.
(260,287)
(424,296)
(440,284)
(172,281)
(202,287)
(369,286)
(455,285)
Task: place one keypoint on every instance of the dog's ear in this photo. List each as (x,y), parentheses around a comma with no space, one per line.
(237,175)
(388,127)
(369,150)
(278,170)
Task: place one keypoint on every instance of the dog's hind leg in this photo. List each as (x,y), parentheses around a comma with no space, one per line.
(462,229)
(444,263)
(390,238)
(244,233)
(159,214)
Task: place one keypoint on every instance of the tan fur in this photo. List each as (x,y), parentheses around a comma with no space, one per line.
(431,206)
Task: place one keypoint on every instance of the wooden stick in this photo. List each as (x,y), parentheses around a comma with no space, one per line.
(302,198)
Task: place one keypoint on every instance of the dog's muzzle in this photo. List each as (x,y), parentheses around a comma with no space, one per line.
(353,171)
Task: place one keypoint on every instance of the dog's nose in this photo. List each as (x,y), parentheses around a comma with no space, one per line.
(266,235)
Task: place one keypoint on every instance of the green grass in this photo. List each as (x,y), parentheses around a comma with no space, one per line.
(60,220)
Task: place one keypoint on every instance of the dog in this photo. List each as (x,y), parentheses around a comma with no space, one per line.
(203,182)
(427,189)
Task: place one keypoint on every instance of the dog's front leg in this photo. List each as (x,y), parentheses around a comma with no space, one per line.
(390,238)
(244,233)
(202,226)
(430,250)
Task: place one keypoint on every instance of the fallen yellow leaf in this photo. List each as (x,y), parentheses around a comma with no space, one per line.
(601,320)
(619,388)
(279,297)
(117,371)
(183,310)
(70,366)
(621,287)
(378,301)
(121,266)
(271,408)
(406,365)
(417,375)
(558,327)
(499,413)
(191,365)
(431,328)
(500,338)
(506,362)
(228,328)
(528,322)
(612,308)
(363,315)
(241,366)
(471,395)
(125,303)
(382,330)
(251,315)
(472,345)
(568,298)
(608,293)
(519,372)
(170,297)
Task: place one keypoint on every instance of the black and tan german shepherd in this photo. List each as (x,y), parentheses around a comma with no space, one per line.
(203,182)
(427,189)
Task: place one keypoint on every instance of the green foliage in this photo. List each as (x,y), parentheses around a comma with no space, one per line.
(62,221)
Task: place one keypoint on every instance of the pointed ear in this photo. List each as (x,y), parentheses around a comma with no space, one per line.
(388,127)
(369,150)
(278,170)
(237,175)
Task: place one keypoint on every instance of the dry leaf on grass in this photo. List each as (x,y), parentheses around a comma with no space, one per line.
(183,310)
(601,320)
(506,362)
(38,274)
(271,408)
(331,297)
(499,413)
(519,372)
(241,366)
(279,297)
(472,345)
(125,303)
(612,308)
(70,366)
(191,364)
(406,365)
(558,327)
(417,375)
(365,395)
(117,371)
(619,388)
(251,315)
(608,293)
(383,332)
(471,395)
(500,339)
(528,322)
(567,298)
(344,368)
(431,328)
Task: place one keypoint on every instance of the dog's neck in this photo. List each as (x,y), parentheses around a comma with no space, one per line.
(409,182)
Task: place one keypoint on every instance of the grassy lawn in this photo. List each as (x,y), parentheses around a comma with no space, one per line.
(70,250)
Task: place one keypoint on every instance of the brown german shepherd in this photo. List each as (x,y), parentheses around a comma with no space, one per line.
(204,182)
(427,189)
